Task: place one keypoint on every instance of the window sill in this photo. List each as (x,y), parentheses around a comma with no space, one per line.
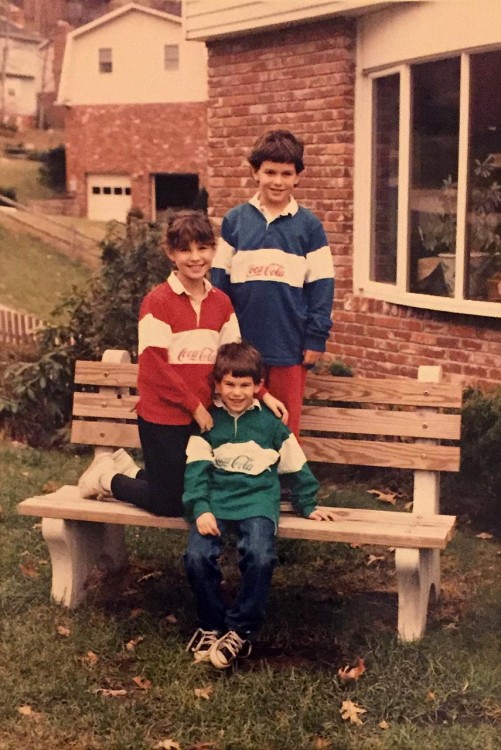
(388,293)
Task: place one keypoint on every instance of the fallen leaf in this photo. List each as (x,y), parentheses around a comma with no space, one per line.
(408,506)
(430,696)
(383,725)
(384,497)
(321,743)
(29,712)
(204,692)
(50,486)
(350,712)
(171,619)
(167,745)
(63,630)
(347,675)
(90,658)
(135,613)
(109,693)
(28,571)
(485,535)
(142,682)
(131,645)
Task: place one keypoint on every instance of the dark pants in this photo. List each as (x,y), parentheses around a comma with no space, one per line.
(159,488)
(256,546)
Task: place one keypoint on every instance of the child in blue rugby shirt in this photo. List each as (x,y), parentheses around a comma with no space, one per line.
(274,262)
(231,481)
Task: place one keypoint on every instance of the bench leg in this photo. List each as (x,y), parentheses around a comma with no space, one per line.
(77,548)
(418,572)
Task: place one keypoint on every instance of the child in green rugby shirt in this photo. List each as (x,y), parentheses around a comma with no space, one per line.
(232,481)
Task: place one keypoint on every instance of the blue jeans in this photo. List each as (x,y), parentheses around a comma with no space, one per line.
(256,547)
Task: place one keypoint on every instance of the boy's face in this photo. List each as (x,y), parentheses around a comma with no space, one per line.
(237,393)
(193,262)
(276,181)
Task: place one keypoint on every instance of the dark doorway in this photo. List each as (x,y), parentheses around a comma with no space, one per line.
(174,191)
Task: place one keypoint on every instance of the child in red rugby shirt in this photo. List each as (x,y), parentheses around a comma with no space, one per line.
(182,323)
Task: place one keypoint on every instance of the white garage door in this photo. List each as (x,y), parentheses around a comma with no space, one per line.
(108,197)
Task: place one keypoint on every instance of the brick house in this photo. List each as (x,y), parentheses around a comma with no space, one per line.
(136,125)
(399,105)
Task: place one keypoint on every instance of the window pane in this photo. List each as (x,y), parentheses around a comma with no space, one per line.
(483,228)
(434,168)
(171,57)
(105,60)
(384,228)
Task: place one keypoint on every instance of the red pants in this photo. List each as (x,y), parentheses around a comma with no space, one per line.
(287,384)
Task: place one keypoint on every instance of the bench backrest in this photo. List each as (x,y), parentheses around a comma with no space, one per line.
(390,422)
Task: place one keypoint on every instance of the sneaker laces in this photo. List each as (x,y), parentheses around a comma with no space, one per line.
(202,640)
(231,645)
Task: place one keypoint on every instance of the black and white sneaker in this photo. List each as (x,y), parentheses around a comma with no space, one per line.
(228,649)
(201,643)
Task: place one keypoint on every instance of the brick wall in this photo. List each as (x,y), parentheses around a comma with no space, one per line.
(136,140)
(302,78)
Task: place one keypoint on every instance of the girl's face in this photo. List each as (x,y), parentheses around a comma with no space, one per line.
(193,262)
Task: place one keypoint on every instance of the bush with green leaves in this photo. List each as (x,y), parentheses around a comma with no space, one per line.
(476,490)
(53,169)
(35,393)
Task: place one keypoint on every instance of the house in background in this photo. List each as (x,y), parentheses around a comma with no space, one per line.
(21,70)
(136,125)
(399,104)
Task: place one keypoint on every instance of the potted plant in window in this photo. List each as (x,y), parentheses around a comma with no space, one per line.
(437,231)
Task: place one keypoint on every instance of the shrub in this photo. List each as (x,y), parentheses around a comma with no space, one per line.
(35,394)
(476,490)
(53,170)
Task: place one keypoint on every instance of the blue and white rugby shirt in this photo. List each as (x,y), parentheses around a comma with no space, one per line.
(280,277)
(233,470)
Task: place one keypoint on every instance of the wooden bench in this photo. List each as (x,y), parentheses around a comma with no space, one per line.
(358,421)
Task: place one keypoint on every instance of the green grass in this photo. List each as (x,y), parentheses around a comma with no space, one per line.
(24,176)
(33,274)
(327,608)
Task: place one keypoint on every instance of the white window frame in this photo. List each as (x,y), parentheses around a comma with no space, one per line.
(364,194)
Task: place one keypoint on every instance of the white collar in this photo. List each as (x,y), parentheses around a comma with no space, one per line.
(178,288)
(256,404)
(290,209)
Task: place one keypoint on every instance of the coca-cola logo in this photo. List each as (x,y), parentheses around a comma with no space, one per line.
(270,270)
(239,463)
(207,354)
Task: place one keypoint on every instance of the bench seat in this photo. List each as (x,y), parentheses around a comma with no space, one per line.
(352,525)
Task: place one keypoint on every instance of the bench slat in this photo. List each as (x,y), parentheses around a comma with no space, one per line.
(385,391)
(105,404)
(381,422)
(123,375)
(376,453)
(352,526)
(113,434)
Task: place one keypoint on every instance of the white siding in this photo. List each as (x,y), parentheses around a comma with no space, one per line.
(419,30)
(208,19)
(137,40)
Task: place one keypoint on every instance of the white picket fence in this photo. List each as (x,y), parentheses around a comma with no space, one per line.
(16,327)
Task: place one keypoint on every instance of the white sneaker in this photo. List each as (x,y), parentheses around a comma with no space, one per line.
(125,464)
(101,469)
(201,643)
(228,649)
